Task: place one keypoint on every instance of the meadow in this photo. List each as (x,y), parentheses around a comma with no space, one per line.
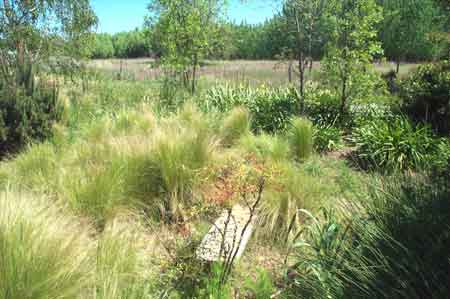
(253,72)
(115,203)
(281,160)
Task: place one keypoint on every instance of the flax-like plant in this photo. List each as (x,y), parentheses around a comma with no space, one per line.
(376,248)
(393,145)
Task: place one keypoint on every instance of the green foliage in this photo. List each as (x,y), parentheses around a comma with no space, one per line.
(322,107)
(262,288)
(352,47)
(185,30)
(270,108)
(265,146)
(103,46)
(44,252)
(213,288)
(401,41)
(394,145)
(403,228)
(164,176)
(327,139)
(291,190)
(47,253)
(300,137)
(118,265)
(426,95)
(319,257)
(179,154)
(97,192)
(25,117)
(132,44)
(235,125)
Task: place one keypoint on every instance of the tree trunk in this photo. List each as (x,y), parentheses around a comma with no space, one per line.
(343,95)
(301,70)
(397,69)
(290,71)
(194,74)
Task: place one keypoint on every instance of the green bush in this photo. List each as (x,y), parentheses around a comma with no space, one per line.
(270,108)
(300,137)
(396,248)
(327,139)
(394,145)
(27,116)
(322,106)
(426,95)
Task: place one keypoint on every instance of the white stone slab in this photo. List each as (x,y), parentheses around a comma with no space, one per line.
(210,247)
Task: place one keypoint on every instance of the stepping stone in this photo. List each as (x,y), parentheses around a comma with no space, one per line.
(228,239)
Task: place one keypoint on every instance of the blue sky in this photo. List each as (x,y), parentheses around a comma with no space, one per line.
(124,15)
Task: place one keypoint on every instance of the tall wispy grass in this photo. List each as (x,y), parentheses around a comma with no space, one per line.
(120,272)
(265,146)
(300,136)
(291,190)
(44,253)
(180,155)
(97,192)
(392,246)
(35,166)
(235,125)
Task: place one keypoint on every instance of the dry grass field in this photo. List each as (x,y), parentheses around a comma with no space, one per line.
(254,72)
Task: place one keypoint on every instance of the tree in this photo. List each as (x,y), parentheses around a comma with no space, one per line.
(186,28)
(32,31)
(406,27)
(303,17)
(352,47)
(103,46)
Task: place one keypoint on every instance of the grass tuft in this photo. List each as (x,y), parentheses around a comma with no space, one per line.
(300,137)
(44,253)
(235,125)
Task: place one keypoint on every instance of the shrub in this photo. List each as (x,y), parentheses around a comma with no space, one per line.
(44,253)
(426,95)
(26,115)
(322,107)
(327,139)
(300,138)
(235,125)
(396,248)
(270,108)
(394,145)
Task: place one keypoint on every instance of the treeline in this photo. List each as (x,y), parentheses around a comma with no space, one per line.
(410,31)
(130,44)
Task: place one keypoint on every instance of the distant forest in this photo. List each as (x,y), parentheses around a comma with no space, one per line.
(423,25)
